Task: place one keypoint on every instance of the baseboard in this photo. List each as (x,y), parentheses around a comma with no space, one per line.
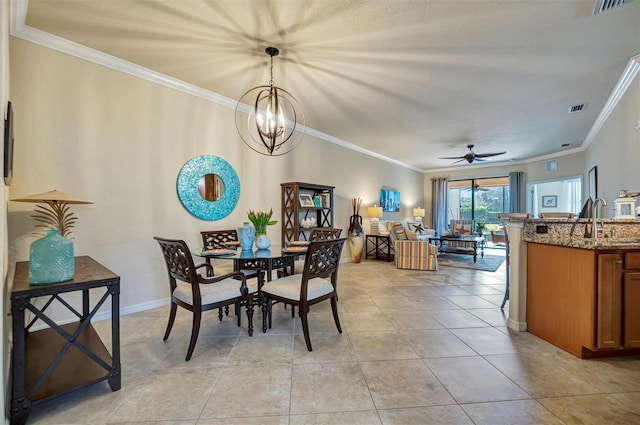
(517,326)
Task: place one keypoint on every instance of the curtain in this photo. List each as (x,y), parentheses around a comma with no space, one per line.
(533,200)
(517,192)
(571,200)
(439,204)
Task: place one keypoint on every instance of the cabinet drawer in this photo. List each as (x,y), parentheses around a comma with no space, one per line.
(632,260)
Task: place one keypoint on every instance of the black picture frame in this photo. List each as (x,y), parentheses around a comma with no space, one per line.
(8,146)
(593,182)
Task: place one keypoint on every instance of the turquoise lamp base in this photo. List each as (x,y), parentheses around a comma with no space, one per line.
(51,259)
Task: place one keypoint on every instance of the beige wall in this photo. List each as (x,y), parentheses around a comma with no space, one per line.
(616,148)
(4,193)
(120,141)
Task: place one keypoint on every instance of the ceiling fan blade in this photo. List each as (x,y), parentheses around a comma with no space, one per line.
(488,154)
(460,160)
(451,157)
(478,159)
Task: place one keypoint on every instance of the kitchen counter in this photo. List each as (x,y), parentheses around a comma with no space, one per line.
(618,234)
(582,294)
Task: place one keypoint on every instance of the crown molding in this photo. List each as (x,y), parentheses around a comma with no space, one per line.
(625,80)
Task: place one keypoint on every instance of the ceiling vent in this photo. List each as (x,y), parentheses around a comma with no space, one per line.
(604,5)
(576,108)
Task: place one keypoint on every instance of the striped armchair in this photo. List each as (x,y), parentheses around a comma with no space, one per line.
(412,254)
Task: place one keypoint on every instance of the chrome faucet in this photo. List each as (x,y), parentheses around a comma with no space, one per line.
(594,229)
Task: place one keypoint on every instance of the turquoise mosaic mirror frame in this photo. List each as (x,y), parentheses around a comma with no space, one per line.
(190,197)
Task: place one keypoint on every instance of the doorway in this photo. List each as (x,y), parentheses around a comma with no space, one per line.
(562,195)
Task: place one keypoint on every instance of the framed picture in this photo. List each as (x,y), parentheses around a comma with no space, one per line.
(390,200)
(593,183)
(306,200)
(8,146)
(550,201)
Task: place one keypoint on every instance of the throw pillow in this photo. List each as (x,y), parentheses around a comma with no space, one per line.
(411,235)
(418,228)
(398,229)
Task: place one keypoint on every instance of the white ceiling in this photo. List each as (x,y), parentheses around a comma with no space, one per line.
(409,80)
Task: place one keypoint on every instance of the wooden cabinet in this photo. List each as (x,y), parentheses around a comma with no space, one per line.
(618,299)
(294,211)
(609,301)
(631,309)
(584,301)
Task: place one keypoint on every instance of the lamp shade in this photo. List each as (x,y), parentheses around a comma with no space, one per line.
(374,212)
(56,215)
(52,196)
(418,212)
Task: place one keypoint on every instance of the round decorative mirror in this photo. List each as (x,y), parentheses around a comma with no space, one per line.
(211,187)
(208,187)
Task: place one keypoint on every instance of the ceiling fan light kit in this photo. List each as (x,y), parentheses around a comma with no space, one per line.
(471,156)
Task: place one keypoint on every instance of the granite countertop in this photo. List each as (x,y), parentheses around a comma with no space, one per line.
(575,233)
(586,243)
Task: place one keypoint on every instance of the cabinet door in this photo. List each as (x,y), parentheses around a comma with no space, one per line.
(609,304)
(631,310)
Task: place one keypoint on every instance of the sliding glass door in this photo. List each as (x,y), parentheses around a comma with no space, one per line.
(479,199)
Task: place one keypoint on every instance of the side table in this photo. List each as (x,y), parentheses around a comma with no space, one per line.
(379,247)
(61,358)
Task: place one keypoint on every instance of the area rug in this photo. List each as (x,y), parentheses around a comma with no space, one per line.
(489,263)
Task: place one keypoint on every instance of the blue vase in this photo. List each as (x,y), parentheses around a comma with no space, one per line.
(263,242)
(246,234)
(51,259)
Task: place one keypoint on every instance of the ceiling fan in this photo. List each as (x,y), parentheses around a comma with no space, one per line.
(471,156)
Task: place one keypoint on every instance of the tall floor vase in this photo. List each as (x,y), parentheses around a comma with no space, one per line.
(356,238)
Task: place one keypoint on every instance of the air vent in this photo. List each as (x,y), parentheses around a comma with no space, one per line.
(576,108)
(565,145)
(604,5)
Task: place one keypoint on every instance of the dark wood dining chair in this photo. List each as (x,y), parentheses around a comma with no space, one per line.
(195,293)
(223,239)
(317,234)
(318,282)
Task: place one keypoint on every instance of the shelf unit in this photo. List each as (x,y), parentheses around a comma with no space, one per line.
(293,212)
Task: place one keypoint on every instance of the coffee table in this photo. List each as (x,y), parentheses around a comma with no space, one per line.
(460,245)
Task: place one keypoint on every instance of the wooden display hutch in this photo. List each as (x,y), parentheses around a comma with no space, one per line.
(293,212)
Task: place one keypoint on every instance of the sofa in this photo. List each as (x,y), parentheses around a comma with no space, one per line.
(412,248)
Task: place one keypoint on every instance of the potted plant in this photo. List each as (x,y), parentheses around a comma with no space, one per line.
(480,227)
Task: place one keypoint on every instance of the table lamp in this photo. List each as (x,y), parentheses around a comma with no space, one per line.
(51,258)
(375,213)
(418,213)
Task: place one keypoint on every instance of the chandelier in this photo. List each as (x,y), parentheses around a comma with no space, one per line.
(274,119)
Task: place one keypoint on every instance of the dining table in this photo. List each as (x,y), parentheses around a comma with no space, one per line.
(277,258)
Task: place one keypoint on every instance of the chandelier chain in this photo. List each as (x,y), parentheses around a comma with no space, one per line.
(271,80)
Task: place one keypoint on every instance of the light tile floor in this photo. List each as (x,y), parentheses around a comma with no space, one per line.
(417,348)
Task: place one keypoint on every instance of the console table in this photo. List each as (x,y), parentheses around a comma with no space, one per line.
(381,247)
(61,358)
